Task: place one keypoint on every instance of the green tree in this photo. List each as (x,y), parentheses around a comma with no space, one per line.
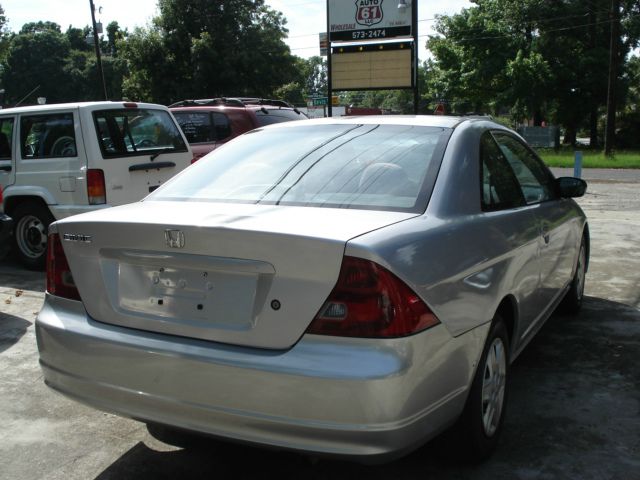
(204,48)
(36,57)
(537,59)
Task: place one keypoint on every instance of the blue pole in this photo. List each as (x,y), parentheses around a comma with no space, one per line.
(577,166)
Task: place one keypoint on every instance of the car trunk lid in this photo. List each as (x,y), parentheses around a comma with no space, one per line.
(251,275)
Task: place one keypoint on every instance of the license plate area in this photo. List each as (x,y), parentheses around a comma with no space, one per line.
(190,296)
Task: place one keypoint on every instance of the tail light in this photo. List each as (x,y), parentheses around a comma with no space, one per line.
(59,279)
(370,301)
(96,189)
(1,197)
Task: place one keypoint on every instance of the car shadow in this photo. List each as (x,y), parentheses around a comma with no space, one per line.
(558,391)
(12,330)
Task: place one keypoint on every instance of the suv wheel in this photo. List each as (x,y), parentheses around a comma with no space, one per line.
(31,226)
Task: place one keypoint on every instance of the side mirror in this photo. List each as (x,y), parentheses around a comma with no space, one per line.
(570,187)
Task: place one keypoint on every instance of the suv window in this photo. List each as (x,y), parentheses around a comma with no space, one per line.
(203,127)
(535,180)
(137,131)
(6,135)
(500,188)
(222,125)
(48,136)
(271,116)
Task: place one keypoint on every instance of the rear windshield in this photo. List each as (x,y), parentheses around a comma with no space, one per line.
(271,116)
(379,167)
(137,131)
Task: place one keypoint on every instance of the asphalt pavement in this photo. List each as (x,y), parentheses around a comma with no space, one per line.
(574,407)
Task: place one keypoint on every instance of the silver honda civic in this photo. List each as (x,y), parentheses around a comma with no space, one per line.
(348,287)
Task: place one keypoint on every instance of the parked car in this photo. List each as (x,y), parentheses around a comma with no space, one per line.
(64,159)
(209,123)
(344,286)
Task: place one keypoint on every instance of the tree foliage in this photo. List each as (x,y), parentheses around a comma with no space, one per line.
(535,59)
(204,48)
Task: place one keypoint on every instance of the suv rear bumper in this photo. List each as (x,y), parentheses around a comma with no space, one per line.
(347,397)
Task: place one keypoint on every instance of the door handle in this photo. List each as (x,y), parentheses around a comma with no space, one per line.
(5,168)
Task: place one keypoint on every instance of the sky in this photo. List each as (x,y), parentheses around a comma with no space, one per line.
(305,18)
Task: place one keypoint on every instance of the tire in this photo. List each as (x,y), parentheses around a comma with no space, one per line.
(475,435)
(572,301)
(31,227)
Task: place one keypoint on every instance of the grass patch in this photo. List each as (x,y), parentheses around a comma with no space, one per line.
(590,159)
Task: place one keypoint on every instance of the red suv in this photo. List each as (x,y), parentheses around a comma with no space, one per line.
(209,123)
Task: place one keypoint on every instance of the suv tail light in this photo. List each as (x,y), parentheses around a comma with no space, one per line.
(1,198)
(59,279)
(96,189)
(370,301)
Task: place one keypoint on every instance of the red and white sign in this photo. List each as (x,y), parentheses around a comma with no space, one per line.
(362,20)
(369,12)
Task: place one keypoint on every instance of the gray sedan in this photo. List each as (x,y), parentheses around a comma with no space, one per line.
(347,287)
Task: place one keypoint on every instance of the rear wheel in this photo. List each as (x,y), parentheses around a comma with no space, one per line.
(31,226)
(477,431)
(572,302)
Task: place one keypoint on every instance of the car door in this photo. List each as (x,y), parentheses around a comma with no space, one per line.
(555,241)
(503,203)
(7,148)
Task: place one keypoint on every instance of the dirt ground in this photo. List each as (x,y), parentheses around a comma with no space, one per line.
(574,407)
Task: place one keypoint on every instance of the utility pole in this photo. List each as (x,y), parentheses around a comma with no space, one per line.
(96,42)
(610,133)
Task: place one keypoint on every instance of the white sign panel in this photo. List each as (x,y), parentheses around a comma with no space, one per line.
(367,20)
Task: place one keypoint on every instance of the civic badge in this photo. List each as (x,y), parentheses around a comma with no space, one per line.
(174,238)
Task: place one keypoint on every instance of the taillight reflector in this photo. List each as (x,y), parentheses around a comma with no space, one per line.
(59,279)
(96,189)
(370,301)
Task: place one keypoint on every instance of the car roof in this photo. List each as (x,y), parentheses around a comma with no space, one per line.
(415,120)
(79,105)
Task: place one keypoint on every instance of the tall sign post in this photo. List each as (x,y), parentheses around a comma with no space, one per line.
(96,42)
(373,45)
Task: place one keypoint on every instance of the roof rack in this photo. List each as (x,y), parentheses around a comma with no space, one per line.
(231,102)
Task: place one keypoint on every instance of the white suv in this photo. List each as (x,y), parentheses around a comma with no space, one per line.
(60,160)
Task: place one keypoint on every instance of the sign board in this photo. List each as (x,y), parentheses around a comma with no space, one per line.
(335,100)
(324,44)
(362,20)
(318,101)
(372,67)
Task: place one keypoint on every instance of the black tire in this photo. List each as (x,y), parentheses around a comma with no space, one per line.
(475,435)
(572,301)
(31,227)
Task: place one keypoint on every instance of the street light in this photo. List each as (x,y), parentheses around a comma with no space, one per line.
(96,41)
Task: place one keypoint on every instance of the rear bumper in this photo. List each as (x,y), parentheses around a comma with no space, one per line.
(358,398)
(6,230)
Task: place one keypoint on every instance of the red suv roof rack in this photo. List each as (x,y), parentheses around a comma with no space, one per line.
(231,102)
